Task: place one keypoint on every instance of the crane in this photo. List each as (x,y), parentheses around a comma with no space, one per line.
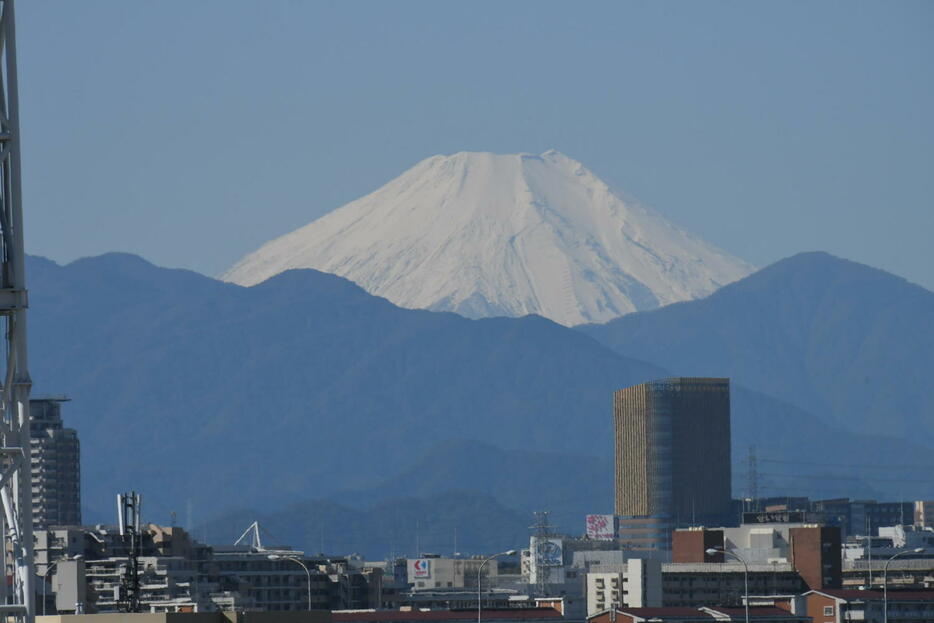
(17,598)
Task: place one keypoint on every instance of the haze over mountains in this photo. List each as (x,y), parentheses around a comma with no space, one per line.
(836,338)
(200,392)
(502,235)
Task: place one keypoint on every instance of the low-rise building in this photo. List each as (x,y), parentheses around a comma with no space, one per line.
(902,573)
(87,565)
(784,555)
(274,585)
(705,584)
(434,572)
(574,569)
(843,605)
(637,583)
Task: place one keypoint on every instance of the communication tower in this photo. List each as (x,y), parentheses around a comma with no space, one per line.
(128,507)
(18,595)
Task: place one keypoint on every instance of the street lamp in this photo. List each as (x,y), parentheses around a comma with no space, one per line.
(45,576)
(301,564)
(509,552)
(885,580)
(720,550)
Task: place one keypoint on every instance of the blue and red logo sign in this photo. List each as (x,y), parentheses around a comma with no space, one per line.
(422,568)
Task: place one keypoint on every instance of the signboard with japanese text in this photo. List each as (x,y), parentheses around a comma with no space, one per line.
(601,527)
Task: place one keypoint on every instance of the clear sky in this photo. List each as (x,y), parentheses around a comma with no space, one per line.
(190,132)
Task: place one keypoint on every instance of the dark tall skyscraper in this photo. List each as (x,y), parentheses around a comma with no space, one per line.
(673,451)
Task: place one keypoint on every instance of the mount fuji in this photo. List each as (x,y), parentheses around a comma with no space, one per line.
(484,235)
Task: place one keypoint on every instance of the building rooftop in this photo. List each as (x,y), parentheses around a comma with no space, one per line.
(768,613)
(659,612)
(754,611)
(376,616)
(852,594)
(725,567)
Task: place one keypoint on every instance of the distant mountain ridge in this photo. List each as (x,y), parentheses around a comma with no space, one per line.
(831,336)
(173,369)
(502,235)
(203,393)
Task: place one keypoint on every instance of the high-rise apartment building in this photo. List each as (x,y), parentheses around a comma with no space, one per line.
(56,466)
(672,453)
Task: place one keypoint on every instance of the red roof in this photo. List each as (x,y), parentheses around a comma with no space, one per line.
(853,594)
(446,615)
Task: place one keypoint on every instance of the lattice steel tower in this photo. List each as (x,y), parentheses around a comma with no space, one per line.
(17,599)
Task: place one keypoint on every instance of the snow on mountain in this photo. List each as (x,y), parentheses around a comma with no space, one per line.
(483,235)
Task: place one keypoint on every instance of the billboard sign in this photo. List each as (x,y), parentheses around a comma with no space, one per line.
(774,517)
(549,552)
(601,527)
(421,568)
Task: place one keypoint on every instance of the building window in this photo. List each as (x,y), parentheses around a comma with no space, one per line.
(828,611)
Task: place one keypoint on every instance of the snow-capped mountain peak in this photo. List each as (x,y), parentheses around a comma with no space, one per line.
(502,235)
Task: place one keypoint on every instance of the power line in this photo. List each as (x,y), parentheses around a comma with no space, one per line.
(850,465)
(854,477)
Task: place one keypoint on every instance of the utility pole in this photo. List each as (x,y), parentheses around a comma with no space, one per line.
(15,479)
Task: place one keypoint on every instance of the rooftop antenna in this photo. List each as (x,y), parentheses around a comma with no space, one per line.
(15,480)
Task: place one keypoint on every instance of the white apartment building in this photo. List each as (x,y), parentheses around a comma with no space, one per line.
(635,584)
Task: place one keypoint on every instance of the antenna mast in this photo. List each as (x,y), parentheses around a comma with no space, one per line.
(128,507)
(15,480)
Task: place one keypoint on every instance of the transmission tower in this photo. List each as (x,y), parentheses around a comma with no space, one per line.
(15,481)
(542,530)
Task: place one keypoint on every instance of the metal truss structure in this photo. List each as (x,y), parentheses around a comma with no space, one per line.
(17,598)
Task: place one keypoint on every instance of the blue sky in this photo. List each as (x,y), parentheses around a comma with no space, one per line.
(192,132)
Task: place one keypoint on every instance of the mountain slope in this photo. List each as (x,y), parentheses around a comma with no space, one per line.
(502,235)
(570,485)
(209,397)
(840,339)
(191,389)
